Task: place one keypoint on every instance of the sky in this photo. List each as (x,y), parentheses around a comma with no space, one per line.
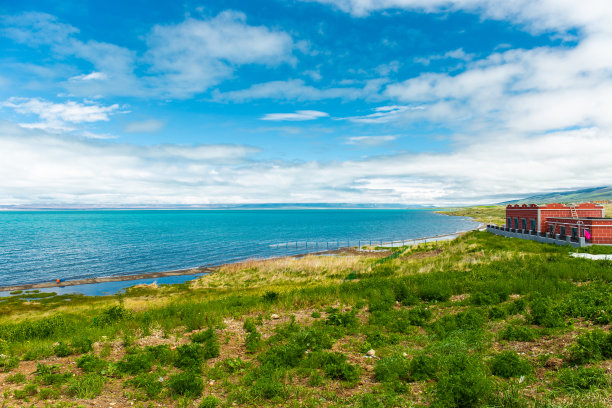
(431,102)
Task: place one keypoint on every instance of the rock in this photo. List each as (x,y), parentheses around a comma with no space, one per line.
(371,353)
(275,316)
(211,382)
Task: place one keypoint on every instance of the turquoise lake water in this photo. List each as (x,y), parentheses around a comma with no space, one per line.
(41,246)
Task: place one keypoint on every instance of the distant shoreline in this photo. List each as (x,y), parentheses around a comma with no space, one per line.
(211,269)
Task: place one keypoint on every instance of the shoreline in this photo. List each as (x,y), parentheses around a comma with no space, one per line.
(213,268)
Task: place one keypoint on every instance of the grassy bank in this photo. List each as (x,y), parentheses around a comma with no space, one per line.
(486,214)
(482,321)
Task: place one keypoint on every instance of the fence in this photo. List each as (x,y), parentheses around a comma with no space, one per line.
(361,243)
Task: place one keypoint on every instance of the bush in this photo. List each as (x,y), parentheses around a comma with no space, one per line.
(209,341)
(422,367)
(253,341)
(391,368)
(270,296)
(516,307)
(8,363)
(590,347)
(189,356)
(470,320)
(148,382)
(29,390)
(592,302)
(82,345)
(515,332)
(162,354)
(544,313)
(90,363)
(334,365)
(135,363)
(18,378)
(62,350)
(187,384)
(497,313)
(338,318)
(210,401)
(434,292)
(508,364)
(267,382)
(582,379)
(36,353)
(87,386)
(249,325)
(464,383)
(111,315)
(405,295)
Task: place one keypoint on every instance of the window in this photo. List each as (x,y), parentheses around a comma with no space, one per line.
(562,231)
(516,223)
(552,230)
(509,222)
(524,223)
(533,225)
(574,232)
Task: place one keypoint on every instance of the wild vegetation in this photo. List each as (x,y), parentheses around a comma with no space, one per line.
(482,321)
(486,214)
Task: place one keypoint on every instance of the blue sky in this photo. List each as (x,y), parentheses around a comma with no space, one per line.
(381,101)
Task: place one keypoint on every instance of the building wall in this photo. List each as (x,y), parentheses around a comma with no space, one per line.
(530,212)
(601,230)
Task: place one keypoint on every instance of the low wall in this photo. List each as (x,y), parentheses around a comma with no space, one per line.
(548,239)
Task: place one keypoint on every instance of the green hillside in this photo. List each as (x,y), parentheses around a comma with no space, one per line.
(575,196)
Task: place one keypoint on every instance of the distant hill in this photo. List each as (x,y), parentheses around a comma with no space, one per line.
(576,196)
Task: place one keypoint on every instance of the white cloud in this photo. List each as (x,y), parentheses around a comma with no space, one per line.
(369,140)
(60,116)
(146,126)
(182,59)
(196,54)
(457,54)
(297,90)
(385,114)
(296,116)
(52,168)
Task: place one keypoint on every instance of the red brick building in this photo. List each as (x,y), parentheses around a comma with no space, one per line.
(559,220)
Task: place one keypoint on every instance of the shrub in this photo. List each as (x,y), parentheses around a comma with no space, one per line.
(62,350)
(267,382)
(590,347)
(516,307)
(87,386)
(497,313)
(82,345)
(334,365)
(422,367)
(29,390)
(135,363)
(464,383)
(434,292)
(148,382)
(162,354)
(544,313)
(90,363)
(8,363)
(470,320)
(189,356)
(111,315)
(186,384)
(391,368)
(209,341)
(36,353)
(315,315)
(582,379)
(338,318)
(232,365)
(515,332)
(591,302)
(508,364)
(210,401)
(18,378)
(253,341)
(405,295)
(249,325)
(270,296)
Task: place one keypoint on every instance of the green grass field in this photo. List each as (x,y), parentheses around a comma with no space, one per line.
(482,321)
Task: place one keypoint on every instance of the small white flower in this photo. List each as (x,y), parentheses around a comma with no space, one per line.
(521,379)
(160,379)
